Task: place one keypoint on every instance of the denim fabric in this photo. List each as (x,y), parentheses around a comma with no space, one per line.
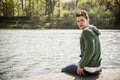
(72,69)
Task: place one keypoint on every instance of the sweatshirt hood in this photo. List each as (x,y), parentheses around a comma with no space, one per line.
(96,31)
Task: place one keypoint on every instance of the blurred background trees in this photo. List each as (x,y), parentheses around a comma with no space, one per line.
(60,14)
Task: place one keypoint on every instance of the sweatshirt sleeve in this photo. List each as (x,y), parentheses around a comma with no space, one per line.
(89,48)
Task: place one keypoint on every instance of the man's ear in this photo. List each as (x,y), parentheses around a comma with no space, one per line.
(88,20)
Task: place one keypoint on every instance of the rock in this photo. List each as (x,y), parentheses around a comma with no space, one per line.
(106,74)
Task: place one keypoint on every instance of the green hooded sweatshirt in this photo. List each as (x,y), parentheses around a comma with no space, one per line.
(90,47)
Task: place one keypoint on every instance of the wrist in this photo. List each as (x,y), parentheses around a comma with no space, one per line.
(80,67)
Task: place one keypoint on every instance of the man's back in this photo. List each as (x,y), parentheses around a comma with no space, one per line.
(90,47)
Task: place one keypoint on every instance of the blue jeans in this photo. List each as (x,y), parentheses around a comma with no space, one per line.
(72,69)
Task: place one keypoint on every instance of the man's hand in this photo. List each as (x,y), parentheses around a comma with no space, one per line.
(80,71)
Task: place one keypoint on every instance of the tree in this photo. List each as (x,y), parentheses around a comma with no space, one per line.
(114,7)
(7,7)
(49,8)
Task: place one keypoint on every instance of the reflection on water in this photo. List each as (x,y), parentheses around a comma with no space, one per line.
(33,52)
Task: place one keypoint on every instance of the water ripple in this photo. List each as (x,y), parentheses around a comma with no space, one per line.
(26,53)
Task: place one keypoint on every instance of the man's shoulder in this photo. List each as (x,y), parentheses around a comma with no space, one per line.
(88,32)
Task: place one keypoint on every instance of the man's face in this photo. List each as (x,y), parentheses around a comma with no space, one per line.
(82,22)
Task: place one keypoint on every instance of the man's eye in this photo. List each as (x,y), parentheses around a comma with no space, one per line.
(82,20)
(78,21)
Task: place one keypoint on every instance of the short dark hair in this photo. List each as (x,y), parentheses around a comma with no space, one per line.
(82,13)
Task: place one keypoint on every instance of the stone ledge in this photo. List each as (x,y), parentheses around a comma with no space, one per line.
(106,74)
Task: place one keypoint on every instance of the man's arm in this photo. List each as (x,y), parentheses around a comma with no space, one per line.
(88,52)
(89,48)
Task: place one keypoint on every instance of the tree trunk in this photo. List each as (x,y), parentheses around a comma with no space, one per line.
(12,7)
(22,7)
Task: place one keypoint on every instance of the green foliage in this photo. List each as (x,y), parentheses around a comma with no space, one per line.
(98,14)
(86,4)
(100,17)
(57,14)
(67,21)
(114,7)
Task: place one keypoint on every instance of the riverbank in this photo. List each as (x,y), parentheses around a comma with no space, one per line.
(106,74)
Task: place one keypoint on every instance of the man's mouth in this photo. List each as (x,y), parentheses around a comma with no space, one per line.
(80,25)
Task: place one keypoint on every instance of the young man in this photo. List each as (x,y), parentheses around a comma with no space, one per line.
(90,61)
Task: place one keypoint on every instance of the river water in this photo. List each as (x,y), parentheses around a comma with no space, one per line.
(25,53)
